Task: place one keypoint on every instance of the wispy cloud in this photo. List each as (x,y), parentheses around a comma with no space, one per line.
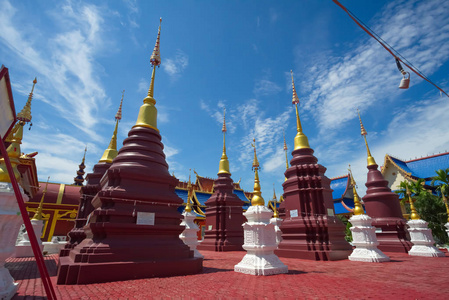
(264,87)
(274,15)
(217,114)
(143,85)
(175,66)
(67,69)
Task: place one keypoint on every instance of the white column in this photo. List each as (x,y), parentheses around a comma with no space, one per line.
(260,243)
(422,239)
(23,247)
(365,240)
(10,221)
(190,234)
(277,224)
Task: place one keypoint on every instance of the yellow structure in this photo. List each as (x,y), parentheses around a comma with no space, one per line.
(257,198)
(370,158)
(224,163)
(301,140)
(275,200)
(111,152)
(414,214)
(358,208)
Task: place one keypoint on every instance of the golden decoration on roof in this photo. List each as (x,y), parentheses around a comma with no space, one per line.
(301,140)
(414,214)
(257,198)
(111,152)
(358,208)
(286,155)
(38,214)
(189,194)
(25,114)
(275,200)
(370,158)
(148,113)
(223,167)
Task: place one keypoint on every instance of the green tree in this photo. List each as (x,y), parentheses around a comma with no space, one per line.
(441,181)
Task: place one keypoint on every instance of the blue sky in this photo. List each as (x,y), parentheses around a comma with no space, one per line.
(229,54)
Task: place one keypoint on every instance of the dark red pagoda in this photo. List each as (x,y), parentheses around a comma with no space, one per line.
(92,187)
(224,211)
(133,231)
(309,228)
(383,206)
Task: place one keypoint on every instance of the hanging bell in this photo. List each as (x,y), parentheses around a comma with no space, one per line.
(405,81)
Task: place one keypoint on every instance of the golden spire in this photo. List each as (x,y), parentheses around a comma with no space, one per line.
(111,152)
(447,206)
(148,113)
(223,167)
(275,200)
(257,198)
(189,194)
(358,208)
(80,179)
(286,156)
(301,140)
(25,114)
(414,214)
(370,159)
(38,214)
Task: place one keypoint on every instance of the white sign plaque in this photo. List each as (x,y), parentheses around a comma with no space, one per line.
(145,218)
(330,212)
(293,213)
(378,230)
(210,227)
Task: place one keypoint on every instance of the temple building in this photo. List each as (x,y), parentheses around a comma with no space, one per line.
(343,196)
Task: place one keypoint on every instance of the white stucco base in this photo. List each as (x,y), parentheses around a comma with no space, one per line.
(23,247)
(365,240)
(190,234)
(10,221)
(277,224)
(260,243)
(422,239)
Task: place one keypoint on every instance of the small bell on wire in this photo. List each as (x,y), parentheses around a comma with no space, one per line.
(405,81)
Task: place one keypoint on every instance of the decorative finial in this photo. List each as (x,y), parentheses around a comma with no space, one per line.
(286,155)
(223,167)
(301,140)
(148,113)
(189,194)
(414,214)
(370,159)
(111,152)
(80,178)
(358,208)
(24,116)
(257,198)
(275,200)
(38,214)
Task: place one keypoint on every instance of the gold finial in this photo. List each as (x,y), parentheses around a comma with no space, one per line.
(111,152)
(14,153)
(84,156)
(223,167)
(358,208)
(38,214)
(148,113)
(447,206)
(189,194)
(257,198)
(301,140)
(370,159)
(414,214)
(275,200)
(80,179)
(25,114)
(286,155)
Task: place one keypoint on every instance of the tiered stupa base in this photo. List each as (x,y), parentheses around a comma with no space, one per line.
(224,218)
(365,241)
(190,234)
(392,235)
(422,239)
(260,242)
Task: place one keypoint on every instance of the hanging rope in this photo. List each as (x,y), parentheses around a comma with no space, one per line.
(387,47)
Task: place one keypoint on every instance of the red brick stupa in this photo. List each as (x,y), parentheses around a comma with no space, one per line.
(134,229)
(309,230)
(383,206)
(224,212)
(92,187)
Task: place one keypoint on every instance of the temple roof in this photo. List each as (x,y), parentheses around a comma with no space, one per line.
(342,194)
(60,194)
(423,167)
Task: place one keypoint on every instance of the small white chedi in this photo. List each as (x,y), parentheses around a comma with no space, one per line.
(259,236)
(363,233)
(190,234)
(276,221)
(420,235)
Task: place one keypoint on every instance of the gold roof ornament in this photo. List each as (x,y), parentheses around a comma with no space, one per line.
(370,158)
(111,152)
(358,208)
(38,214)
(223,167)
(301,140)
(25,114)
(148,113)
(189,194)
(447,206)
(286,155)
(275,200)
(257,199)
(414,214)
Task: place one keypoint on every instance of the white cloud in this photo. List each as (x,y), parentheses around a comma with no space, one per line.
(217,114)
(266,87)
(175,66)
(143,85)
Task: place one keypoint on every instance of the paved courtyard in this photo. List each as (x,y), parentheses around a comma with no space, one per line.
(405,277)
